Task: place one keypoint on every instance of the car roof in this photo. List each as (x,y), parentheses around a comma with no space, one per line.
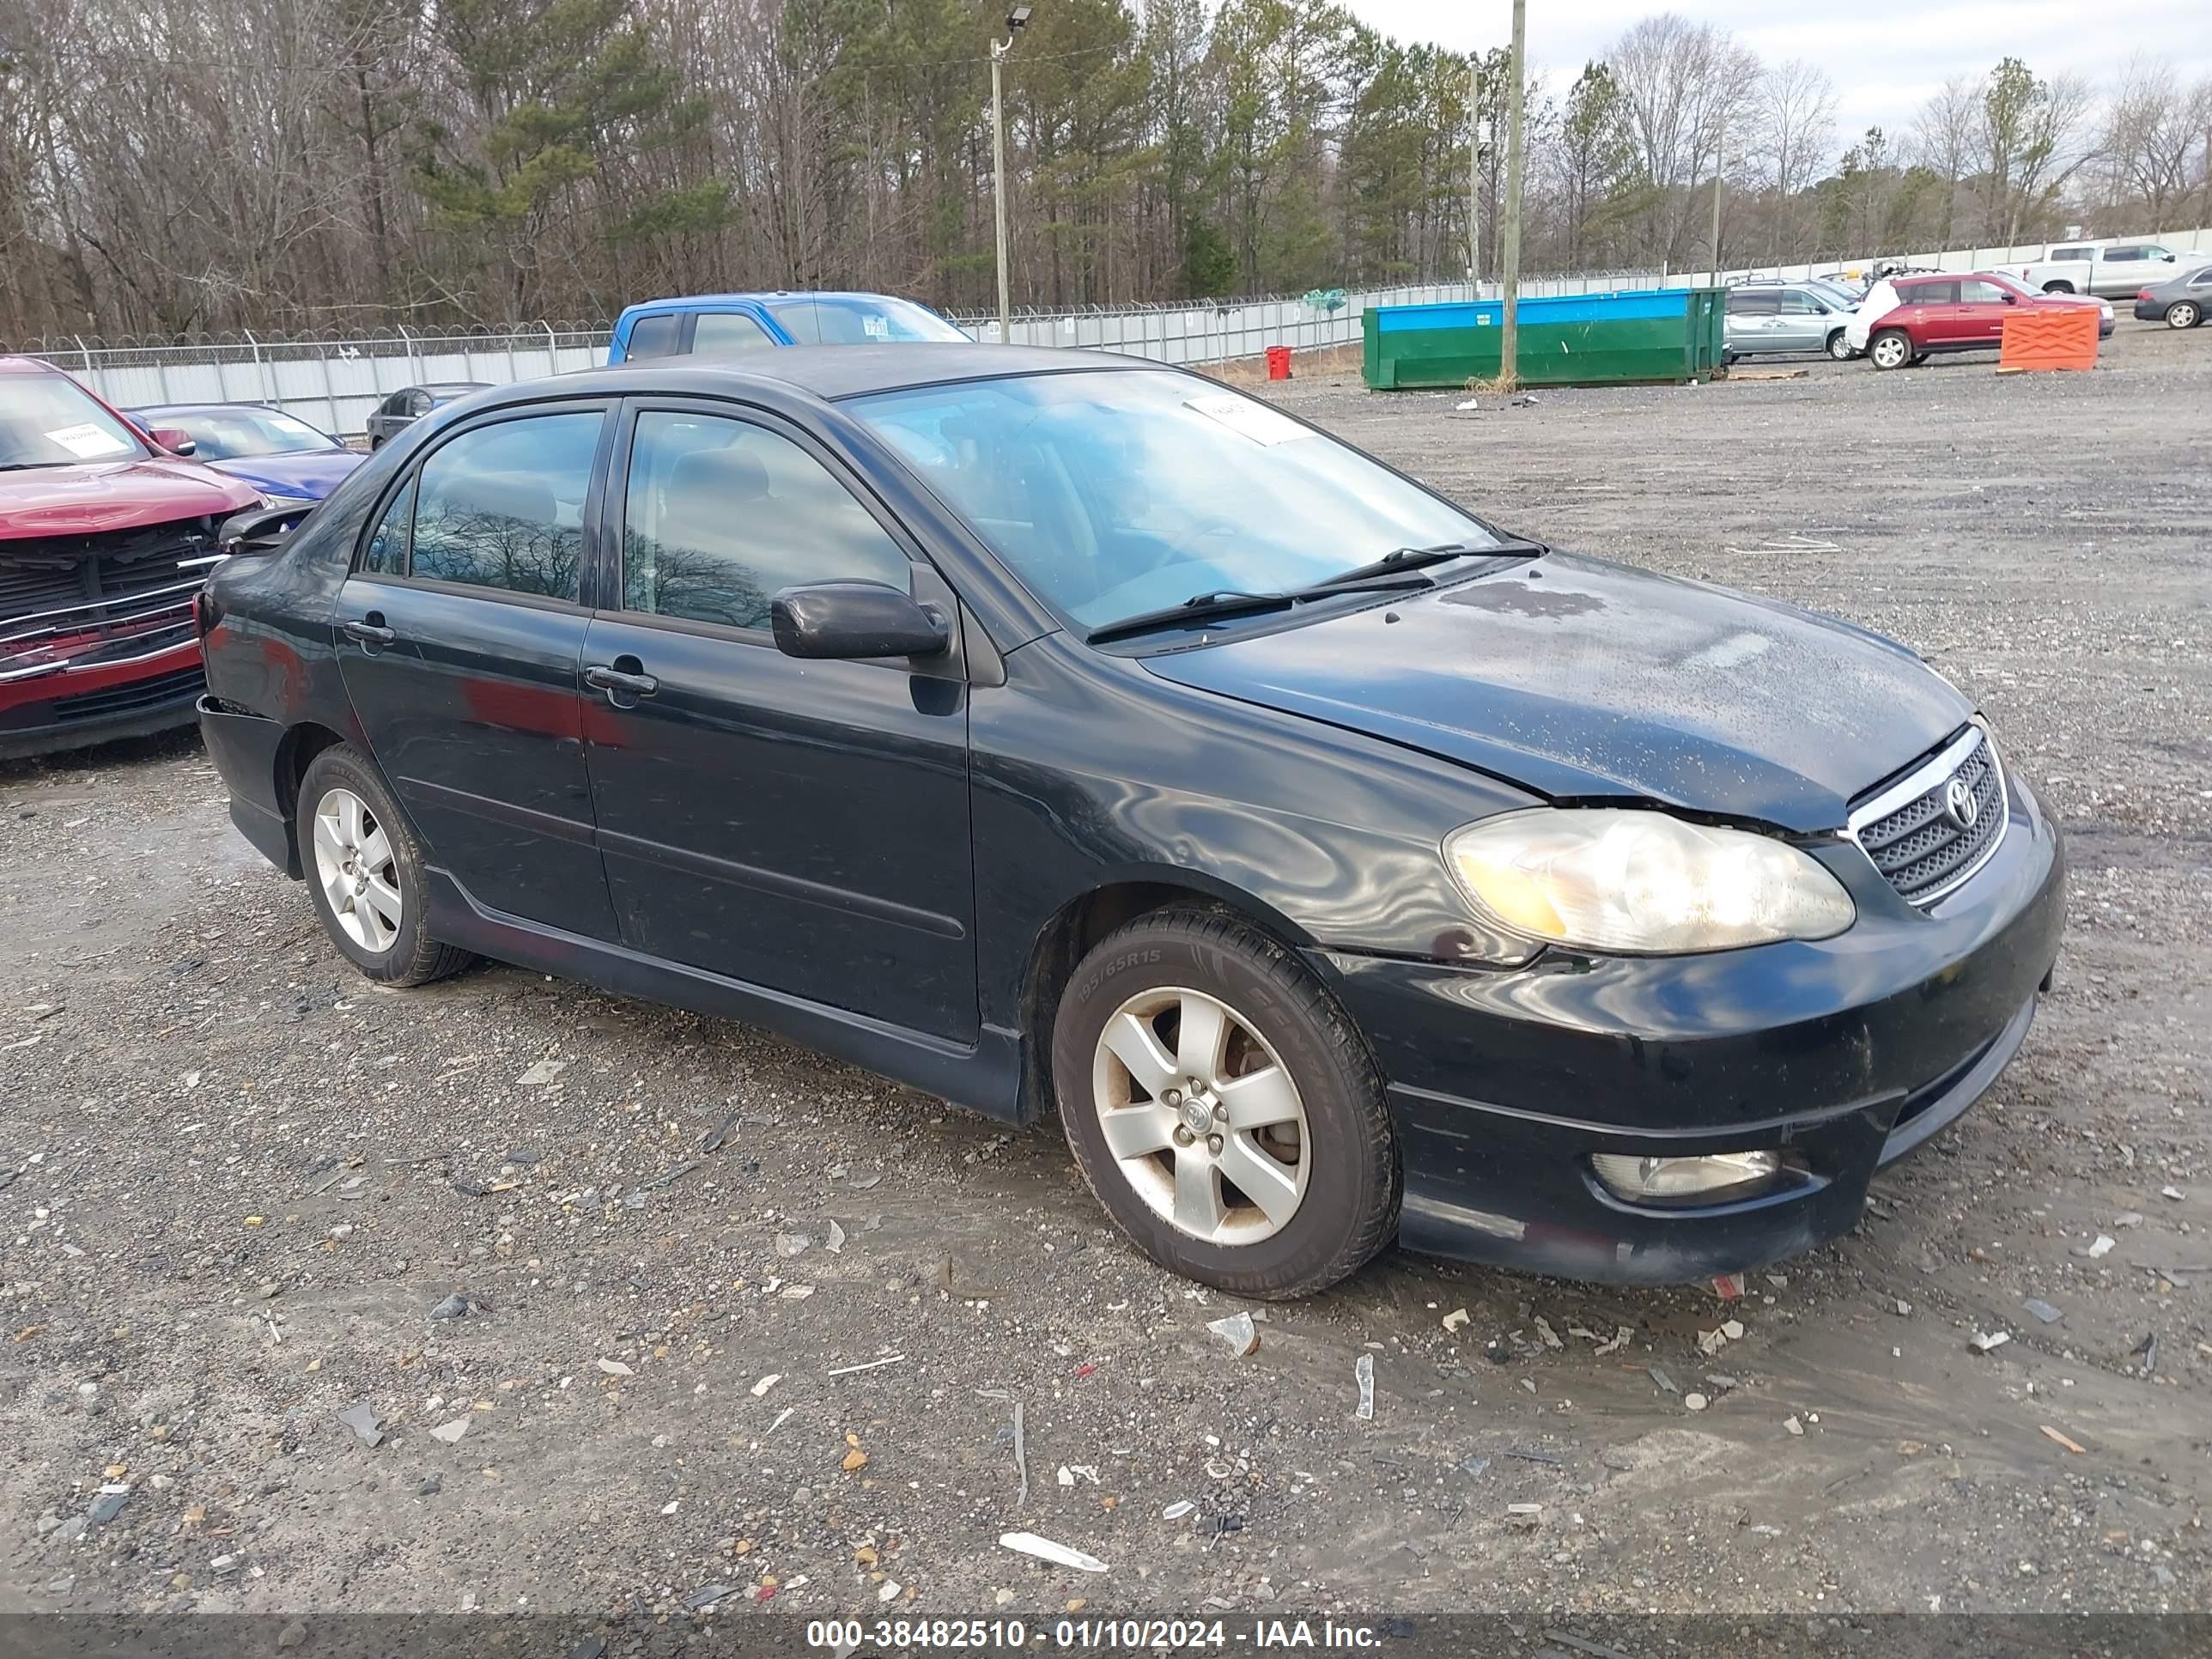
(846,371)
(449,385)
(203,409)
(759,297)
(26,366)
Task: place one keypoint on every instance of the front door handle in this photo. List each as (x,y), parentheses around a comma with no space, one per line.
(617,681)
(371,631)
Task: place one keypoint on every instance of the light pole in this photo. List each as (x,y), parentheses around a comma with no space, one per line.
(1016,19)
(1509,254)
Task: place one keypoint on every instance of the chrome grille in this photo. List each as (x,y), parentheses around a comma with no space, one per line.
(1910,831)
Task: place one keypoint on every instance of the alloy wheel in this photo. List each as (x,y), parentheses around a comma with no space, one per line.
(1891,351)
(1202,1118)
(2182,313)
(1839,347)
(354,863)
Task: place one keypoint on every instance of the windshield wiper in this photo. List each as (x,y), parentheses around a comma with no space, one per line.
(31,467)
(1413,558)
(1203,607)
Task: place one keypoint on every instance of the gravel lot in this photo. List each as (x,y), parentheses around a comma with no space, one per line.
(239,1182)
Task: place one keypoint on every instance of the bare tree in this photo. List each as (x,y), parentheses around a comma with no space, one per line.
(1794,138)
(2030,148)
(1689,89)
(1944,139)
(2149,140)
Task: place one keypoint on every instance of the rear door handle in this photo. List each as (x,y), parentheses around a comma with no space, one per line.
(610,680)
(371,633)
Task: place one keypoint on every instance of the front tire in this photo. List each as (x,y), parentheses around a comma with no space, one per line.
(2183,314)
(1891,348)
(1224,1108)
(2058,287)
(364,870)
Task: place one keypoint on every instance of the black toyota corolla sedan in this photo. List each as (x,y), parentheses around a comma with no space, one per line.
(1056,732)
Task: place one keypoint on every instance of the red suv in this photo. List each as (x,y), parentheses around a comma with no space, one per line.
(1902,319)
(103,539)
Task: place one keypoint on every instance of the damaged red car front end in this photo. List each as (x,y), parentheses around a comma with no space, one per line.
(104,542)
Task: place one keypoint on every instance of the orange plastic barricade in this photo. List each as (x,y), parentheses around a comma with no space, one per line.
(2049,336)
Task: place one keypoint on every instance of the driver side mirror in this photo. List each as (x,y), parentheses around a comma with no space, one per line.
(826,621)
(2010,298)
(175,441)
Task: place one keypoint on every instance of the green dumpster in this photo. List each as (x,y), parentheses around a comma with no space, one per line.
(1583,340)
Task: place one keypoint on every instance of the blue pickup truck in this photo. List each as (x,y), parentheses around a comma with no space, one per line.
(723,325)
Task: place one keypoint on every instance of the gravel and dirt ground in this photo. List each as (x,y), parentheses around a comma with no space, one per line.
(241,1186)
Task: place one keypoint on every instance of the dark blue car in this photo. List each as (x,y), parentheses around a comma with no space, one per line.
(279,454)
(725,324)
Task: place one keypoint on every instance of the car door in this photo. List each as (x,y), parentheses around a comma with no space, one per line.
(460,634)
(1800,322)
(801,826)
(1983,307)
(2119,270)
(387,418)
(1935,323)
(1752,316)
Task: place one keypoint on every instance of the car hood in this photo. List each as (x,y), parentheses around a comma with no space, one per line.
(311,473)
(1580,680)
(82,500)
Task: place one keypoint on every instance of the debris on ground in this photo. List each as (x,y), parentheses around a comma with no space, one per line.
(1363,1369)
(1238,1331)
(760,1389)
(1696,1402)
(107,1505)
(1729,1287)
(2145,1354)
(719,1134)
(1551,1337)
(540,1074)
(1984,1342)
(614,1367)
(836,1240)
(2055,1435)
(2099,1245)
(1028,1543)
(1457,1319)
(449,1432)
(1530,1456)
(1792,1425)
(364,1422)
(867,1365)
(788,1245)
(1659,1376)
(1177,1511)
(1620,1335)
(2173,1192)
(2043,1311)
(453,1307)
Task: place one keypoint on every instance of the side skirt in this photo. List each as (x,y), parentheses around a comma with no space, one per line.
(984,1076)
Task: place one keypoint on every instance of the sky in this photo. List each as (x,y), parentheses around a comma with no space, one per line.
(1911,46)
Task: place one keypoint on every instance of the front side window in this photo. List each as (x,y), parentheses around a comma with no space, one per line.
(856,321)
(387,552)
(502,506)
(1982,294)
(727,332)
(1797,303)
(1117,491)
(49,420)
(720,514)
(230,434)
(2124,256)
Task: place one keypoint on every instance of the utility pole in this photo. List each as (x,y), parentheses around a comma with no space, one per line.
(1720,161)
(1475,172)
(1015,19)
(1509,242)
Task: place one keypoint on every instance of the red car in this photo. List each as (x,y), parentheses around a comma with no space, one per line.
(103,539)
(1902,319)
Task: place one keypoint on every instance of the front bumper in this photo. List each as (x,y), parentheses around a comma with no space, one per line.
(1842,1055)
(90,702)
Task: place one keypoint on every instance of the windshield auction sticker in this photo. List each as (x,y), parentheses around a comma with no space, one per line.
(87,441)
(1262,424)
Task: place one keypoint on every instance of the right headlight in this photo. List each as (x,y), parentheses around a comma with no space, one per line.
(1625,882)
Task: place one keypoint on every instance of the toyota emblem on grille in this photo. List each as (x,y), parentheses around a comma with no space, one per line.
(1958,803)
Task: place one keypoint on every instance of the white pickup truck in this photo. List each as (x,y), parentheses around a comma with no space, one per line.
(2111,271)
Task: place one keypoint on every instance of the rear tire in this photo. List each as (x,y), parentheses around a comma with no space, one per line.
(1839,348)
(358,854)
(2183,314)
(1890,348)
(1277,1174)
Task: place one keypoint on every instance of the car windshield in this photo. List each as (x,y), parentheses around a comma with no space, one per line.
(49,420)
(230,434)
(1116,492)
(860,322)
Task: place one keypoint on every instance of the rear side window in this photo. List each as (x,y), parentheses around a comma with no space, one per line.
(1743,304)
(1930,294)
(653,335)
(502,506)
(2202,278)
(2070,253)
(728,331)
(721,515)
